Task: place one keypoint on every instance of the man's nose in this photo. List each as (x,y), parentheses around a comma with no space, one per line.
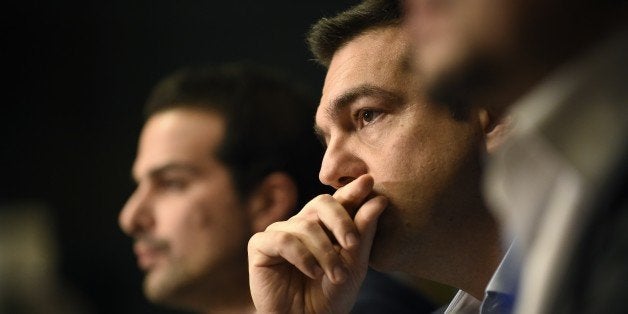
(136,215)
(340,165)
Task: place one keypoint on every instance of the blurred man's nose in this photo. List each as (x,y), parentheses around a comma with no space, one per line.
(136,215)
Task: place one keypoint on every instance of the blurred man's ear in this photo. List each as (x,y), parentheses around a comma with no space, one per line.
(273,200)
(496,129)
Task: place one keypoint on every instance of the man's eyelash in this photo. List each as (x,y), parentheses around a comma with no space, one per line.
(359,115)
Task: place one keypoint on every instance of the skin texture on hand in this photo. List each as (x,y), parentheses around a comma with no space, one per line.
(316,261)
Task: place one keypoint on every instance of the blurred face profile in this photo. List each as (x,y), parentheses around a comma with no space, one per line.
(373,120)
(189,225)
(473,50)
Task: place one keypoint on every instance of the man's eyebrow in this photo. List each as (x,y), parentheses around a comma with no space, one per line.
(365,90)
(173,166)
(338,104)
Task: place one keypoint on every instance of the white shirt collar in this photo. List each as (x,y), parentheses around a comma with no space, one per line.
(505,278)
(463,303)
(504,281)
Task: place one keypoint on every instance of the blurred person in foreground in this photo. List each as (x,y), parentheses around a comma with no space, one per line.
(224,152)
(406,173)
(559,183)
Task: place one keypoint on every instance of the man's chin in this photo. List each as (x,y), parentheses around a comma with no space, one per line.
(383,256)
(159,288)
(383,261)
(153,289)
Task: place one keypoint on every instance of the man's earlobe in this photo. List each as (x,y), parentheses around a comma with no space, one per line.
(496,129)
(273,200)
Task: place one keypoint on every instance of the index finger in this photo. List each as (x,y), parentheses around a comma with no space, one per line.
(354,194)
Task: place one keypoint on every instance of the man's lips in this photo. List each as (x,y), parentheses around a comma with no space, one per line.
(148,253)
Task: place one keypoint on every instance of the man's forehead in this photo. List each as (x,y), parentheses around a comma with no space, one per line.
(378,56)
(372,64)
(150,168)
(375,45)
(177,138)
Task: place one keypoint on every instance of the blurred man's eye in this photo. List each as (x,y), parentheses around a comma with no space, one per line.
(174,184)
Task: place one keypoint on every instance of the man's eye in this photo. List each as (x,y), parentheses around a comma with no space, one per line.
(367,116)
(173,184)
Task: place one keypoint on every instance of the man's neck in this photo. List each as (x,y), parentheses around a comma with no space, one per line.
(466,260)
(481,262)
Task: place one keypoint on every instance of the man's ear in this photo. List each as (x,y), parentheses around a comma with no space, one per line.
(273,200)
(496,129)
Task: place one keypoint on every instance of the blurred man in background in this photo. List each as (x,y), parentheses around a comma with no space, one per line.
(225,152)
(559,184)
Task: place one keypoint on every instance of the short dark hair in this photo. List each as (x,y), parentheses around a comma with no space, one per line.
(330,34)
(268,119)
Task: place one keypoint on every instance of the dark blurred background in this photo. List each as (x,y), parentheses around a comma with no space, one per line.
(75,77)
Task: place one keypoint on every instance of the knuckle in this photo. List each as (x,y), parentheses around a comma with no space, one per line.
(254,239)
(274,226)
(305,255)
(308,225)
(283,239)
(323,198)
(318,203)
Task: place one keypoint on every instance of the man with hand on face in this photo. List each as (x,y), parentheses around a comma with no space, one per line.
(225,151)
(559,183)
(406,174)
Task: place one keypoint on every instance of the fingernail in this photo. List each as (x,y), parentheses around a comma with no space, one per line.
(351,239)
(339,274)
(383,203)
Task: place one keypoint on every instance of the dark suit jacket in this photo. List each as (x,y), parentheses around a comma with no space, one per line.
(596,279)
(383,294)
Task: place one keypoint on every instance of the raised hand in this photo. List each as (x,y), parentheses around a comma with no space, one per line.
(316,261)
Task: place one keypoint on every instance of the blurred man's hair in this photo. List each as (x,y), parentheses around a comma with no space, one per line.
(268,119)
